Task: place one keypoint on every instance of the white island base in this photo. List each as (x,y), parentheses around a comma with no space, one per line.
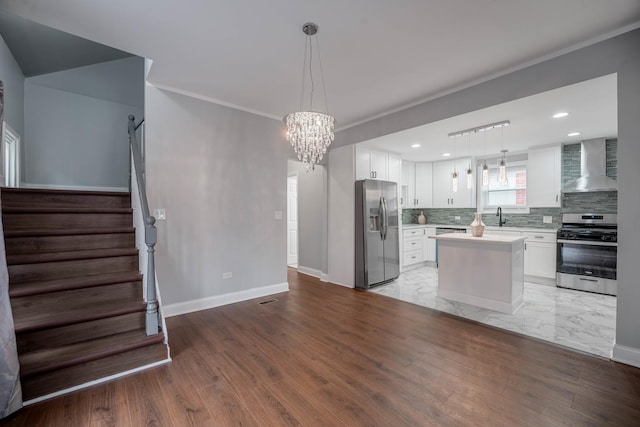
(485,271)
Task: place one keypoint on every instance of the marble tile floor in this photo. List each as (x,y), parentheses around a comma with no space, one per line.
(575,319)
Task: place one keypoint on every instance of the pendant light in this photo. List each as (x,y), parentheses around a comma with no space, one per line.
(485,168)
(469,171)
(502,168)
(310,132)
(454,175)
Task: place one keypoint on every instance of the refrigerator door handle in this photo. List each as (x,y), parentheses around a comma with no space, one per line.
(381,215)
(386,218)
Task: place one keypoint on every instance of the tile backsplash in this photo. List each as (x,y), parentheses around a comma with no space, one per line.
(592,202)
(447,217)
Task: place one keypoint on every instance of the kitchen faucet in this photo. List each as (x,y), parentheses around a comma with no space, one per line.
(500,221)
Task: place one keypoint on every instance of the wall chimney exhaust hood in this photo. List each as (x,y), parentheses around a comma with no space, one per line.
(593,169)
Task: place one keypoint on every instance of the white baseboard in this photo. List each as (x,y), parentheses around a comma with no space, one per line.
(185,307)
(324,277)
(73,187)
(310,271)
(627,355)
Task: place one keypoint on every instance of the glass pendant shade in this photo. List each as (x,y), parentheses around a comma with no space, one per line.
(454,182)
(502,172)
(485,175)
(469,179)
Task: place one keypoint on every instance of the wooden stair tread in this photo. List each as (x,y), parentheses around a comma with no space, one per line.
(29,317)
(36,258)
(61,210)
(61,379)
(69,192)
(56,285)
(36,232)
(50,359)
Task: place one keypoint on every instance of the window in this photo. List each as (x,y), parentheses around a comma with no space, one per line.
(511,194)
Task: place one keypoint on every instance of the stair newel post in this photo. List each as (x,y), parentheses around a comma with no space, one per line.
(151,238)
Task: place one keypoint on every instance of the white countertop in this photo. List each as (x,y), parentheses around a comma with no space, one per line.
(486,238)
(487,229)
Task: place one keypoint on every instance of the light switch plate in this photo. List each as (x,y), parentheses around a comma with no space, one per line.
(227,275)
(547,219)
(277,215)
(160,214)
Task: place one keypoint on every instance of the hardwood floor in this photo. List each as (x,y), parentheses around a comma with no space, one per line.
(326,355)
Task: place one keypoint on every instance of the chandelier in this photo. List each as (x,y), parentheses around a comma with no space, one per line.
(310,132)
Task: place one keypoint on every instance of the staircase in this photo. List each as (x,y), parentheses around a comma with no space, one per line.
(75,288)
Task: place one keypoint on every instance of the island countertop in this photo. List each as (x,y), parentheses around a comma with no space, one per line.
(486,238)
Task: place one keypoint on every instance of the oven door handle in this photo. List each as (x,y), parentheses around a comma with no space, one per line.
(587,242)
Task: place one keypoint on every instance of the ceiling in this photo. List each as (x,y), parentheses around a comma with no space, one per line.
(378,56)
(41,50)
(593,112)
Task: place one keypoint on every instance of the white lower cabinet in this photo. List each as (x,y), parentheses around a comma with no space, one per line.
(417,246)
(412,246)
(540,252)
(429,245)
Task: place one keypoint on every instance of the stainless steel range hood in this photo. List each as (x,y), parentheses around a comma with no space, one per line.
(593,169)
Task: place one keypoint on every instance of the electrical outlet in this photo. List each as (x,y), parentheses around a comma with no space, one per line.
(160,214)
(227,275)
(547,219)
(277,215)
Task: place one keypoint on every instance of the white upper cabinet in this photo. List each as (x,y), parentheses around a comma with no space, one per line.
(408,184)
(443,195)
(372,164)
(544,177)
(394,168)
(423,185)
(416,184)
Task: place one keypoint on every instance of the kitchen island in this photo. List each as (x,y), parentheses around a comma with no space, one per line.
(485,271)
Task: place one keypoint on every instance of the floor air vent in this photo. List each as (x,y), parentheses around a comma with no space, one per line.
(269,301)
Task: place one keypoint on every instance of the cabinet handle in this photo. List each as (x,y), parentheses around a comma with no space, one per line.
(447,201)
(417,201)
(452,200)
(539,237)
(556,197)
(525,246)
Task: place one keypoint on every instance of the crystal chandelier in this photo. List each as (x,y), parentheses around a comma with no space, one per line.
(310,132)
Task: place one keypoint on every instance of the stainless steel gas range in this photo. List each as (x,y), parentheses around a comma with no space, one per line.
(587,253)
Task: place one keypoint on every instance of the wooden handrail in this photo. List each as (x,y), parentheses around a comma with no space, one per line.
(150,231)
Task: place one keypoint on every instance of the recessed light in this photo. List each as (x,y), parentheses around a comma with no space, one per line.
(560,115)
(446,154)
(573,134)
(415,145)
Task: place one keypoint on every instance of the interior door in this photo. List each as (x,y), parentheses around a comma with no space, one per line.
(292,221)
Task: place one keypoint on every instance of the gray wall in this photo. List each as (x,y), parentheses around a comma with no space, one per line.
(13,79)
(76,124)
(312,215)
(220,174)
(616,55)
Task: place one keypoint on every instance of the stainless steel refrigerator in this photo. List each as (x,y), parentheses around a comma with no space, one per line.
(377,234)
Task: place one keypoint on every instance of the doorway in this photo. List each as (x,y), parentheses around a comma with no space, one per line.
(292,221)
(10,156)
